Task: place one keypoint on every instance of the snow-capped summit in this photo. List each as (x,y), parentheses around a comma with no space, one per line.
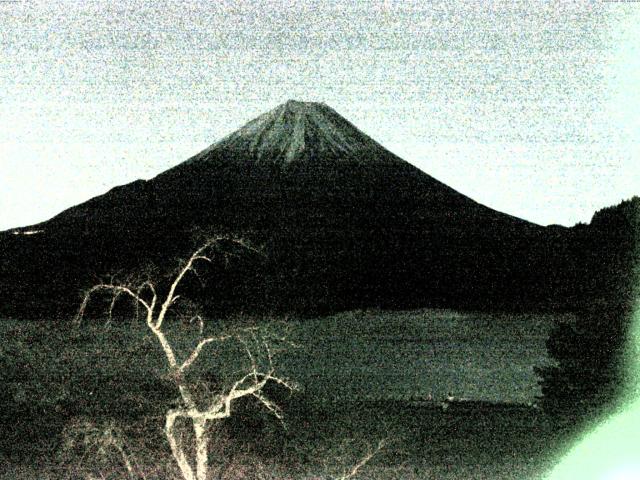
(300,131)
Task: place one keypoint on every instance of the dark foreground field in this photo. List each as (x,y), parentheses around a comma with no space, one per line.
(80,402)
(325,441)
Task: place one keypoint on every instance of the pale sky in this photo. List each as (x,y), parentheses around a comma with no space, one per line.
(531,108)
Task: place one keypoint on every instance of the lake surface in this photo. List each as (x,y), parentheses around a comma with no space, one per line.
(401,355)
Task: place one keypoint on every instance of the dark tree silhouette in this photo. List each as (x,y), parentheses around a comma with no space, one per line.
(589,374)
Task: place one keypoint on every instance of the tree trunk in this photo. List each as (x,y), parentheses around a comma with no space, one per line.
(176,448)
(125,460)
(202,448)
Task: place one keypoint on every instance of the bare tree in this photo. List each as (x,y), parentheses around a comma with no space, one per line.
(355,469)
(194,407)
(99,440)
(337,460)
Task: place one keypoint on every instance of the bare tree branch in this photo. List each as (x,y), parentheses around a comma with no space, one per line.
(197,255)
(251,383)
(115,289)
(200,322)
(363,461)
(272,407)
(196,351)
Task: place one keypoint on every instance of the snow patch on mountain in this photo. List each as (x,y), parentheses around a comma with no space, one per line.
(297,131)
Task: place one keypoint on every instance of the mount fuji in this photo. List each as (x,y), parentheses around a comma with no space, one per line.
(343,223)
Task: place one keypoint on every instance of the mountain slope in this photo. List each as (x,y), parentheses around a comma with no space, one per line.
(344,223)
